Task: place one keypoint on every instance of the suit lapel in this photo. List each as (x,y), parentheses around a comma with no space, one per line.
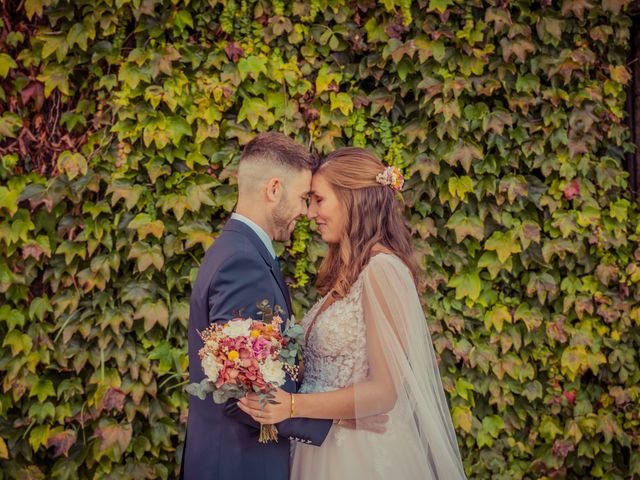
(275,271)
(239,227)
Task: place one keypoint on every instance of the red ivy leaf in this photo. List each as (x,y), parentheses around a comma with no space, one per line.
(562,448)
(572,190)
(570,396)
(234,51)
(114,398)
(32,250)
(62,442)
(114,435)
(34,90)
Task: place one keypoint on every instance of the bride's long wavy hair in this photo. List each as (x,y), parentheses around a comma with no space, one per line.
(373,214)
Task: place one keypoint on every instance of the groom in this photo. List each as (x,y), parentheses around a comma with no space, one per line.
(239,270)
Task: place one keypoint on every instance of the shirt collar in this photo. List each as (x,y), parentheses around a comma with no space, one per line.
(258,231)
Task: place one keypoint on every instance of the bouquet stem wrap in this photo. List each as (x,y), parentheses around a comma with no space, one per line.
(268,433)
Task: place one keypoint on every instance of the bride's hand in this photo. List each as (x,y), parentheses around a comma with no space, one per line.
(267,413)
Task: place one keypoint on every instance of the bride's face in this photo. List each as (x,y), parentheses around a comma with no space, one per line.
(327,211)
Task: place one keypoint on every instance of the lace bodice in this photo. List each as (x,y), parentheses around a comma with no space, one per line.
(335,354)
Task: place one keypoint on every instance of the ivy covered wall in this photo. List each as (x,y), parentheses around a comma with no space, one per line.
(121,123)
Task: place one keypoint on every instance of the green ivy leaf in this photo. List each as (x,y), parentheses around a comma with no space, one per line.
(132,75)
(36,7)
(198,233)
(252,66)
(38,436)
(80,34)
(6,64)
(325,78)
(13,318)
(463,154)
(72,250)
(504,244)
(439,6)
(253,109)
(462,418)
(493,424)
(18,341)
(10,123)
(496,317)
(460,186)
(153,313)
(467,285)
(144,225)
(55,76)
(464,226)
(549,428)
(183,19)
(341,101)
(72,164)
(121,190)
(42,390)
(490,261)
(176,128)
(146,255)
(9,200)
(4,451)
(42,411)
(574,360)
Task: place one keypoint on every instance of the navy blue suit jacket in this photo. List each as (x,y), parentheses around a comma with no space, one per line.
(222,441)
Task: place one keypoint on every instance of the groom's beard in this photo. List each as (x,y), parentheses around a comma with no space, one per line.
(283,222)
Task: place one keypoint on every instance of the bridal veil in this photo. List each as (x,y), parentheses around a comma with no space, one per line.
(420,441)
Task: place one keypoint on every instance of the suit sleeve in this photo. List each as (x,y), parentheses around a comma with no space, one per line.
(305,430)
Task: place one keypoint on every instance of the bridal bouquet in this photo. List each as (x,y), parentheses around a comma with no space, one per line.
(246,355)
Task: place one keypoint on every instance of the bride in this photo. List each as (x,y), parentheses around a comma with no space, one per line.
(367,350)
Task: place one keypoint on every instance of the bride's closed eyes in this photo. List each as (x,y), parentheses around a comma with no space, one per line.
(327,210)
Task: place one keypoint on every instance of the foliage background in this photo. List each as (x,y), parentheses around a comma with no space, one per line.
(121,122)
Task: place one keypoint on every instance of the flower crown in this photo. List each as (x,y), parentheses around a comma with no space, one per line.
(391,176)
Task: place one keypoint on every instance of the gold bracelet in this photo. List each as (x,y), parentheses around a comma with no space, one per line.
(293,405)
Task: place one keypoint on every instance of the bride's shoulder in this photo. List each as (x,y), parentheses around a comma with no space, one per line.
(384,259)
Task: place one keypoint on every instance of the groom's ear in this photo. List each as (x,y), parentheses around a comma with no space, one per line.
(274,189)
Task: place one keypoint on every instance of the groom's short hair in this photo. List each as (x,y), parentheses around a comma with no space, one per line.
(279,149)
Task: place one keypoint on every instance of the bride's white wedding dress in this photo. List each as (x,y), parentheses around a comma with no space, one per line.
(375,336)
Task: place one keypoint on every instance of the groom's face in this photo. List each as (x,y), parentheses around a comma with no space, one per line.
(292,204)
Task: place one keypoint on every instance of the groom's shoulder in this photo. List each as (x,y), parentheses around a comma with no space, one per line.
(231,245)
(231,242)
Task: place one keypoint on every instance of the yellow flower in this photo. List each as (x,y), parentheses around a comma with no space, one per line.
(255,333)
(233,355)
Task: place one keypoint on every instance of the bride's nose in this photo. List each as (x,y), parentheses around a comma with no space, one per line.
(312,210)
